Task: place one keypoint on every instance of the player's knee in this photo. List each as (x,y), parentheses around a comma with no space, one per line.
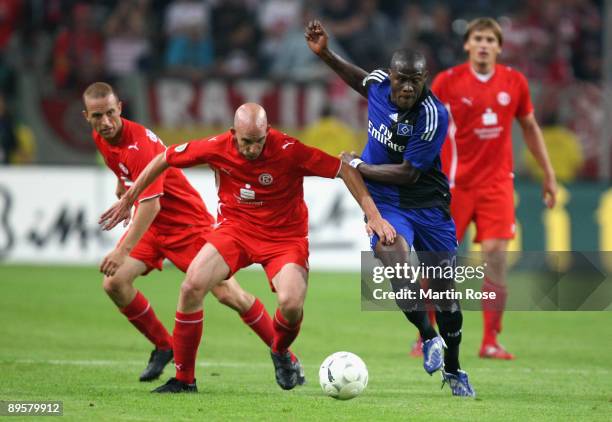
(494,246)
(225,296)
(191,288)
(114,285)
(290,305)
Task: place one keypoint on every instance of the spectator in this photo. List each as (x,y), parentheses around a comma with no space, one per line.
(189,49)
(78,50)
(293,60)
(345,22)
(444,46)
(10,14)
(373,44)
(8,138)
(276,18)
(236,38)
(127,45)
(587,45)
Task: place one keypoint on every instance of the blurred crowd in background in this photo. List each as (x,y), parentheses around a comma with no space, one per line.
(70,43)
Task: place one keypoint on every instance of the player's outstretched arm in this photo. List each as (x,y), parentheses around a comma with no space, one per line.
(317,39)
(394,174)
(354,182)
(535,143)
(121,209)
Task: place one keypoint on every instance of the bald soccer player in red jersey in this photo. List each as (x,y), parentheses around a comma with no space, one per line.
(170,222)
(484,98)
(262,219)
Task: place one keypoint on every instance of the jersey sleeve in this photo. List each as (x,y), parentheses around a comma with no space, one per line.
(525,106)
(314,162)
(190,153)
(425,145)
(374,78)
(137,159)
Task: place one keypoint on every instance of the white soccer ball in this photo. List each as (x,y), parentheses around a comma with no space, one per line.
(343,375)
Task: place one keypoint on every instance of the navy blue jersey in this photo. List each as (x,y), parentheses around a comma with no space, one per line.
(415,135)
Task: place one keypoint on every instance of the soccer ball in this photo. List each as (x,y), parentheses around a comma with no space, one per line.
(343,375)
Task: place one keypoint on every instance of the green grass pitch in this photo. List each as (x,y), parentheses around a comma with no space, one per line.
(62,339)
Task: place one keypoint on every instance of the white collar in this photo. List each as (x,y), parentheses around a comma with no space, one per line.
(483,77)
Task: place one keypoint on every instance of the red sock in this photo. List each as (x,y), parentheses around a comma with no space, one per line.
(493,310)
(187,335)
(285,332)
(258,319)
(140,313)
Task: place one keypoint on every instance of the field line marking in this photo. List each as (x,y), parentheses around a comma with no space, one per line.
(238,364)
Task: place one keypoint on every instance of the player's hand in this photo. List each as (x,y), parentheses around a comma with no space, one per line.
(385,231)
(348,157)
(111,262)
(316,37)
(120,211)
(549,191)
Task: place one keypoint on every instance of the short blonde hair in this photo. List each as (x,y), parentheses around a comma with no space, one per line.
(99,90)
(481,24)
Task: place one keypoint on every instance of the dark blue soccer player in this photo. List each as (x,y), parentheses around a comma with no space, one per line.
(407,126)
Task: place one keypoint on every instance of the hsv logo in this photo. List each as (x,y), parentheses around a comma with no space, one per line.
(266,179)
(287,144)
(124,169)
(133,146)
(404,129)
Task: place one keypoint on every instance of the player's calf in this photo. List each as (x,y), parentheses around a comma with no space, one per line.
(120,290)
(230,294)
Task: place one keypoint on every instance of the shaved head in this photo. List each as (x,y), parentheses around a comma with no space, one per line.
(407,73)
(251,118)
(250,129)
(408,61)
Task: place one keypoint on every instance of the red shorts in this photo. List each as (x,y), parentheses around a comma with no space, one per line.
(490,207)
(180,245)
(240,248)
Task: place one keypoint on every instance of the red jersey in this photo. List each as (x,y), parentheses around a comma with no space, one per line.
(478,148)
(180,202)
(266,194)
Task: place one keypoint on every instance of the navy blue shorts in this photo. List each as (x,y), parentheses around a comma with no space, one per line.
(425,229)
